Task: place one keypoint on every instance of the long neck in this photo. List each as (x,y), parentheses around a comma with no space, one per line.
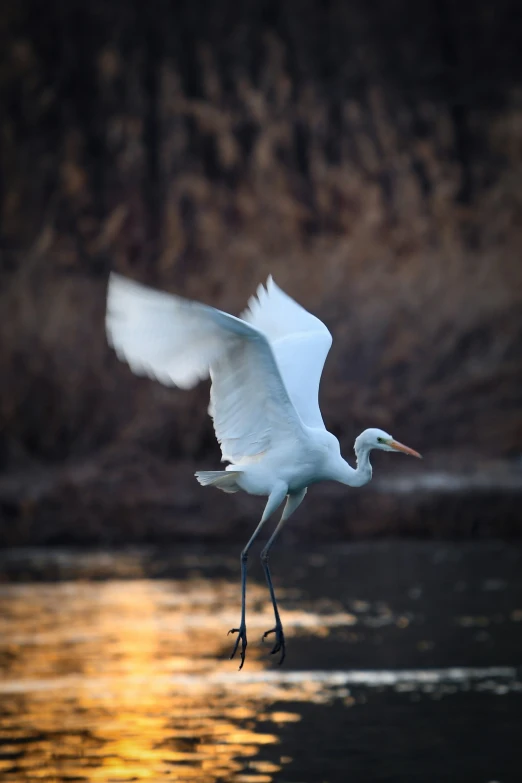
(354,477)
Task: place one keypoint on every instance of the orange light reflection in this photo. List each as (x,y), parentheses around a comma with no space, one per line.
(91,665)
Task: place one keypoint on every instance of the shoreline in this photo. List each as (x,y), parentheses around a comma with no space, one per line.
(148,501)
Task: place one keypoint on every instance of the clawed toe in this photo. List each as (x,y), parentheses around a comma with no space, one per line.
(241,637)
(279,645)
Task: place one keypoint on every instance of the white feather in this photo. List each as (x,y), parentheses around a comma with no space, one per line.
(180,342)
(300,343)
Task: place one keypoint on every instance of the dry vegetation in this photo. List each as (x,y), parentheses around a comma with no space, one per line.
(384,194)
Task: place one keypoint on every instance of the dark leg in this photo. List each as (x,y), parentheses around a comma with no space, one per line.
(291,504)
(274,500)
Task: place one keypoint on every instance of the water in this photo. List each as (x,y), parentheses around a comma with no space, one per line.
(402,666)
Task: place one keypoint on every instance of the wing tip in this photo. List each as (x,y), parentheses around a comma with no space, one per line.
(121,281)
(121,289)
(272,287)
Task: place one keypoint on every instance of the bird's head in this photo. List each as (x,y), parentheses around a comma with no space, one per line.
(378,439)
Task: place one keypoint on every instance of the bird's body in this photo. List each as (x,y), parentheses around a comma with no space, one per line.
(313,456)
(265,369)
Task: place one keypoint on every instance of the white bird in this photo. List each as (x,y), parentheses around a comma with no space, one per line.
(265,369)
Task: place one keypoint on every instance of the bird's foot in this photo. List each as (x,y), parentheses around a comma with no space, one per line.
(241,637)
(279,645)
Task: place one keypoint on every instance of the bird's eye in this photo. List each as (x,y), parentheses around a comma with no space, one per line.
(380,440)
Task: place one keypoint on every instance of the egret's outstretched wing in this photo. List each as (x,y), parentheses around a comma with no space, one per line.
(180,342)
(300,343)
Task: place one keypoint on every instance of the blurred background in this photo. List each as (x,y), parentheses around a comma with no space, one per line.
(367,154)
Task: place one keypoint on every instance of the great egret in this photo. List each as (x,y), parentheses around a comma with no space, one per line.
(265,369)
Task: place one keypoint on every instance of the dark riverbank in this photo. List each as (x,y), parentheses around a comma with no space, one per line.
(133,499)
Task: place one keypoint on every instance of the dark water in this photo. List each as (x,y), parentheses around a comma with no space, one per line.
(403,665)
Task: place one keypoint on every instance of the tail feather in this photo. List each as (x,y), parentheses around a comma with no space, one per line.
(222,479)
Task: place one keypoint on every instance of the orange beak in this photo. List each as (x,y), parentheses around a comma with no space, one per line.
(405,449)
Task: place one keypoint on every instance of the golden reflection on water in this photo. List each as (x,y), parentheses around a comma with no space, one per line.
(129,680)
(87,692)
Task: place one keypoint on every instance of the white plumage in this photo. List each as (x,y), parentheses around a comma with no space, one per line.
(265,369)
(300,343)
(180,343)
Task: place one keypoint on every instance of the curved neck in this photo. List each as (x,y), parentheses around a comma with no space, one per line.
(354,477)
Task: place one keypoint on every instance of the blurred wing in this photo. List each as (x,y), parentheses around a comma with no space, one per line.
(180,342)
(300,343)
